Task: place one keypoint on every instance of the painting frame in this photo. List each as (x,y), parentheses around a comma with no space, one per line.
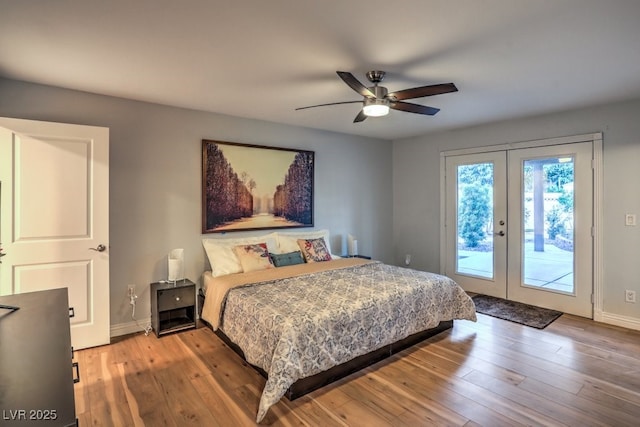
(255,187)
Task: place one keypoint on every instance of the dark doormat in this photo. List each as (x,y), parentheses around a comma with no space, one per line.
(517,312)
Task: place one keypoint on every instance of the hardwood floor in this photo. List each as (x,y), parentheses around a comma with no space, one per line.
(489,373)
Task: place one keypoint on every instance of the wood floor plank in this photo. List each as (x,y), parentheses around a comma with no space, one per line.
(108,414)
(475,412)
(541,405)
(407,407)
(332,396)
(100,375)
(613,396)
(369,390)
(422,385)
(84,418)
(132,403)
(431,361)
(225,408)
(223,362)
(627,363)
(621,340)
(489,373)
(359,413)
(593,409)
(592,366)
(182,399)
(507,356)
(142,385)
(478,360)
(123,349)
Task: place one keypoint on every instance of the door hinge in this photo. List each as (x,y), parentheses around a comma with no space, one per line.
(593,299)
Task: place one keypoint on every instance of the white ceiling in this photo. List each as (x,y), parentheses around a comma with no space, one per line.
(262,59)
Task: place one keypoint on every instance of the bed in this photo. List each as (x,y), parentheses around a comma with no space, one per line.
(306,324)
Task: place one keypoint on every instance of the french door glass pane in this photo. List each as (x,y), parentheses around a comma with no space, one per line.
(548,223)
(475,220)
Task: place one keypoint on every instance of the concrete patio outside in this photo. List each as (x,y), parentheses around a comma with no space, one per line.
(550,269)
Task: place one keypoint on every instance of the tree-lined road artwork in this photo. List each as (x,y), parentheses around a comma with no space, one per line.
(264,220)
(251,187)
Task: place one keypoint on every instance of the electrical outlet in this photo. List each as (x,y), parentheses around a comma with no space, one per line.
(131,292)
(630,296)
(630,219)
(407,259)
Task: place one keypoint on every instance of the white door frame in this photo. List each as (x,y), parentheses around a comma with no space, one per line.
(596,139)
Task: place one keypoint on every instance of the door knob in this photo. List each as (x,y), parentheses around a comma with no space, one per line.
(99,248)
(499,233)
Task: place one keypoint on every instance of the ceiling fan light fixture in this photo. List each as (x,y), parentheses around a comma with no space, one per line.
(374,107)
(377,100)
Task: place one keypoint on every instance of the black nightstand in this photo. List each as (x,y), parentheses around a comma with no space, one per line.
(173,307)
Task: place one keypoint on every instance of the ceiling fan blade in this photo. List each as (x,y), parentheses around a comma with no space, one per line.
(360,117)
(331,103)
(355,84)
(413,108)
(419,92)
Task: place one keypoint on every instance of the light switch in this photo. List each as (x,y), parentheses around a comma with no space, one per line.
(630,219)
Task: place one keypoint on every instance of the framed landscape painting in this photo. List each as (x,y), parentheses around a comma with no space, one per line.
(252,187)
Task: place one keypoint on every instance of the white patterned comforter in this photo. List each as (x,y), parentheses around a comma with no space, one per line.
(299,326)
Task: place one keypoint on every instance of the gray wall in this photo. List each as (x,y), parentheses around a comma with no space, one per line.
(416,188)
(155,179)
(156,167)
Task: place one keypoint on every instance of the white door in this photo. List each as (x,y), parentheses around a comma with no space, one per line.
(54,222)
(549,233)
(518,225)
(476,207)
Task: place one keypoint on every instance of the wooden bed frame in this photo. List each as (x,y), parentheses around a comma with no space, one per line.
(314,382)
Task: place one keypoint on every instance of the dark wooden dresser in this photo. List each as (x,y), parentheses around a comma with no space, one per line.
(36,375)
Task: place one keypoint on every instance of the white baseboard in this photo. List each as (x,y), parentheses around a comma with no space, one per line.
(130,327)
(618,320)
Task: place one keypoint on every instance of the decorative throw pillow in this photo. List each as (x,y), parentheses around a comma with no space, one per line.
(288,241)
(290,258)
(314,250)
(220,253)
(253,257)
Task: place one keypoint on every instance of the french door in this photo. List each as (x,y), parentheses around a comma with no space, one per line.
(518,225)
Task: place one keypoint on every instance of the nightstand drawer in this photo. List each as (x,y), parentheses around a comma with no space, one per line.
(170,299)
(173,306)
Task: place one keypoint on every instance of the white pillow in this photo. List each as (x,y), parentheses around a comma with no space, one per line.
(288,241)
(222,258)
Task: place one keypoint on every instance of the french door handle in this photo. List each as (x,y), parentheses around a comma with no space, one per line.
(499,233)
(100,248)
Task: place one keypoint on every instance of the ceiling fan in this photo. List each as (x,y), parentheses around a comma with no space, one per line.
(377,99)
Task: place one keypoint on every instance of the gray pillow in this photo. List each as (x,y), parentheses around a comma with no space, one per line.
(291,258)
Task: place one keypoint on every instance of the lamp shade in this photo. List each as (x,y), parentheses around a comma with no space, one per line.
(175,265)
(352,245)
